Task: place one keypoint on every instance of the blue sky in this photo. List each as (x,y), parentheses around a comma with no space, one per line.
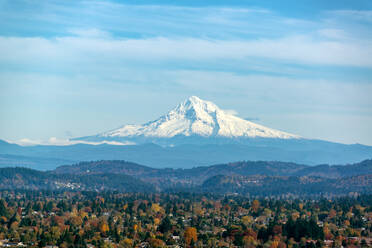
(76,68)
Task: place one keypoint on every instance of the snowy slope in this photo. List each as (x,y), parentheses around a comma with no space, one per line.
(196,117)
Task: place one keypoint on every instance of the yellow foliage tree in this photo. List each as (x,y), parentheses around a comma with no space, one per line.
(76,220)
(301,205)
(295,215)
(127,243)
(155,207)
(246,220)
(156,221)
(83,214)
(274,244)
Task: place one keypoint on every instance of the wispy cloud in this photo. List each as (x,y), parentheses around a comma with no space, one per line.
(90,33)
(360,15)
(92,50)
(77,58)
(231,111)
(53,141)
(119,32)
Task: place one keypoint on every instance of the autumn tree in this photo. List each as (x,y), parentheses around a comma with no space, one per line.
(103,227)
(255,205)
(190,235)
(157,243)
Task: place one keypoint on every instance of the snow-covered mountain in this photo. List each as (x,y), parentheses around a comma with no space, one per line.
(192,118)
(195,133)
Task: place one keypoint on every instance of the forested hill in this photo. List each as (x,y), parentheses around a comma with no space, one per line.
(23,178)
(260,178)
(244,168)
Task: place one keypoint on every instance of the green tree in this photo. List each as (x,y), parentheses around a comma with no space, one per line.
(3,210)
(165,225)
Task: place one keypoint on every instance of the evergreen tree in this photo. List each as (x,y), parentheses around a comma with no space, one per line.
(3,209)
(165,225)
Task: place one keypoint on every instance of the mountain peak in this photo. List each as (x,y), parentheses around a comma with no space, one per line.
(193,99)
(194,108)
(197,103)
(195,117)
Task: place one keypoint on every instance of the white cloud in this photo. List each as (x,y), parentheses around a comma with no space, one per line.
(90,51)
(26,142)
(64,142)
(231,111)
(84,51)
(362,15)
(265,94)
(333,33)
(90,33)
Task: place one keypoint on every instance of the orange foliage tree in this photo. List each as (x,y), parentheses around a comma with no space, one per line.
(104,227)
(190,235)
(255,205)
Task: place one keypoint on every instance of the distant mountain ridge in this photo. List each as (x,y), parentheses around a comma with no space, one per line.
(300,151)
(247,177)
(199,174)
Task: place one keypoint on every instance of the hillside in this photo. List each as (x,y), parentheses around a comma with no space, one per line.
(199,174)
(247,177)
(23,178)
(298,151)
(281,185)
